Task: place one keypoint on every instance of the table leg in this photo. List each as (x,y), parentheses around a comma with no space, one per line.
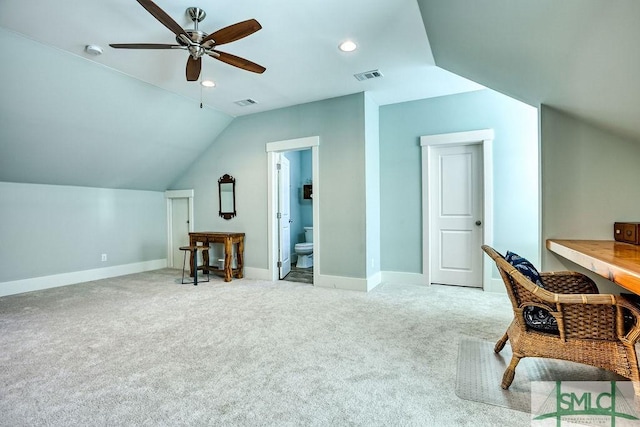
(205,259)
(240,255)
(192,242)
(227,259)
(195,271)
(192,262)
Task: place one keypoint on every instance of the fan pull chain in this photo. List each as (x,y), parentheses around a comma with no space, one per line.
(200,91)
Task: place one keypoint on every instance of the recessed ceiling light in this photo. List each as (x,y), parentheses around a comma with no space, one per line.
(93,49)
(208,83)
(348,46)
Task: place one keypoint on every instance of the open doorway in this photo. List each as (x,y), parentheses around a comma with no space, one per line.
(295,215)
(297,151)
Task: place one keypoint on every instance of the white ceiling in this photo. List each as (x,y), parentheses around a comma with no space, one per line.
(298,45)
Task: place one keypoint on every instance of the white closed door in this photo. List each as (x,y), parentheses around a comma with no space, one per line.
(455,189)
(179,229)
(284,217)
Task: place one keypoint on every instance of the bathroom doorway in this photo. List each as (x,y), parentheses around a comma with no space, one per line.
(295,216)
(304,211)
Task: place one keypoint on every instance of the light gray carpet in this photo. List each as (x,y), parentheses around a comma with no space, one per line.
(480,372)
(143,350)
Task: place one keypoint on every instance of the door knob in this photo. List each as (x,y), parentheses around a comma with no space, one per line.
(478,223)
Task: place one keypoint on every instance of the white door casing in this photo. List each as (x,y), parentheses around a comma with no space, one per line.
(484,138)
(179,230)
(170,195)
(284,217)
(273,148)
(456,215)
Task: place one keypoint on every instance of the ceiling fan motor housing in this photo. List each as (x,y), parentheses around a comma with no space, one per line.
(197,42)
(196,36)
(196,14)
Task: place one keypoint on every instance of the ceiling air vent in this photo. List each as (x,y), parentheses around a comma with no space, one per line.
(245,102)
(367,75)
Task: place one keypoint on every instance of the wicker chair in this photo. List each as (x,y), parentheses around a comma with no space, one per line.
(591,326)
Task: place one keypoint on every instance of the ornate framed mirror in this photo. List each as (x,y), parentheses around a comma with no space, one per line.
(227,196)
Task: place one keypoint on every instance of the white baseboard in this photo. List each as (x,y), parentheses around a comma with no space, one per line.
(374,280)
(403,278)
(339,282)
(64,279)
(257,273)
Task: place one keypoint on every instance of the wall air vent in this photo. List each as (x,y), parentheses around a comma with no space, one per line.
(245,102)
(367,75)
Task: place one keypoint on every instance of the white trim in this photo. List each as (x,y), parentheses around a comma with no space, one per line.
(64,279)
(458,138)
(373,281)
(340,282)
(484,137)
(176,194)
(398,277)
(272,149)
(256,273)
(293,144)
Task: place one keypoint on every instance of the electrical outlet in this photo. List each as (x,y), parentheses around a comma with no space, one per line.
(104,257)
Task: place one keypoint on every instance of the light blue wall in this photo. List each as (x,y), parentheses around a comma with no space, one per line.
(301,210)
(372,173)
(241,152)
(51,229)
(76,122)
(294,208)
(306,175)
(589,181)
(515,156)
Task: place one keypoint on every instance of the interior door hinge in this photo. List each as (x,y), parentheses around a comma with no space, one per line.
(279,264)
(279,166)
(279,215)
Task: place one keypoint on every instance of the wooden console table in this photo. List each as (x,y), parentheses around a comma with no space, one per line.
(616,261)
(228,240)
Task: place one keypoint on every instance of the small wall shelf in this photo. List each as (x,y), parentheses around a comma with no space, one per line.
(307,191)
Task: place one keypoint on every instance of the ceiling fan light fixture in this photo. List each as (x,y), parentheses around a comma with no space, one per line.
(199,43)
(348,46)
(208,83)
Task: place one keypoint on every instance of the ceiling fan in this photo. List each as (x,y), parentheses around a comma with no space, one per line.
(197,42)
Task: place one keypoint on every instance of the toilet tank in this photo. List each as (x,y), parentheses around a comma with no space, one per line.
(308,234)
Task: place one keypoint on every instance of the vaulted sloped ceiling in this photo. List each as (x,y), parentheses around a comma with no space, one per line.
(579,56)
(66,121)
(128,119)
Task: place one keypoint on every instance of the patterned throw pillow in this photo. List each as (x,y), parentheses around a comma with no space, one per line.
(534,317)
(524,267)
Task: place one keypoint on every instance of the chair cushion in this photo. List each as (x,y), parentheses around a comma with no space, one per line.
(535,317)
(525,267)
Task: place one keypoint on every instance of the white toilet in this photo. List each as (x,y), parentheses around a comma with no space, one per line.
(305,250)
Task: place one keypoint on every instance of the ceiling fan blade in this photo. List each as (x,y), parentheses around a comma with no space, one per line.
(233,32)
(193,68)
(236,61)
(146,46)
(163,17)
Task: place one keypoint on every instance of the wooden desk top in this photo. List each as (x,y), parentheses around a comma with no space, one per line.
(216,234)
(616,261)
